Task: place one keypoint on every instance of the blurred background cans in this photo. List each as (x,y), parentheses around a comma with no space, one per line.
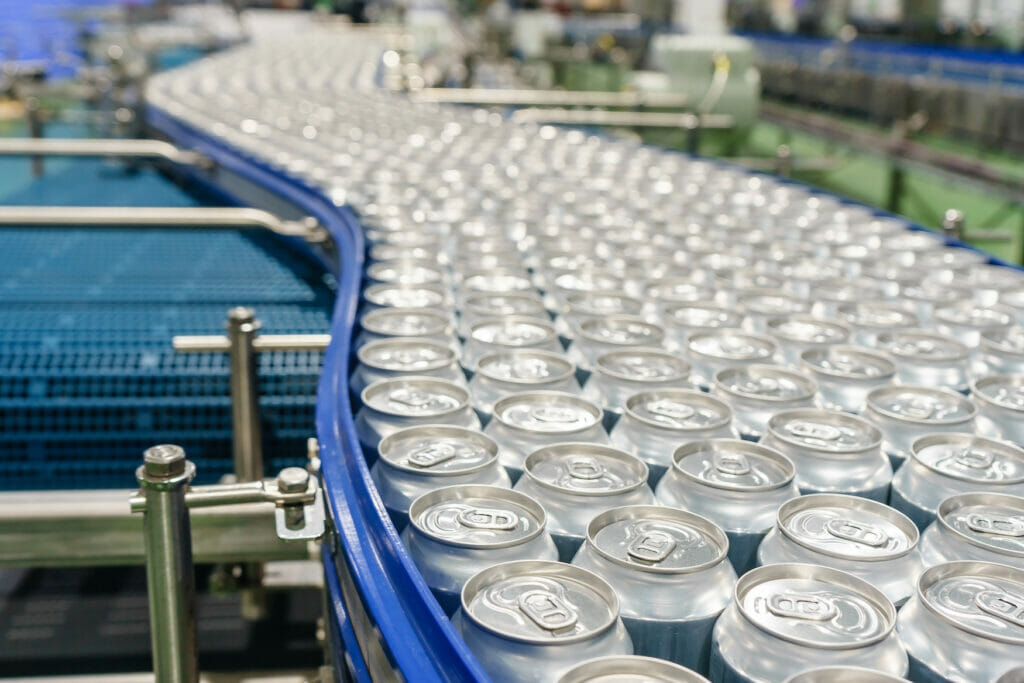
(907,412)
(966,320)
(533,621)
(987,527)
(1000,352)
(617,375)
(670,571)
(598,336)
(868,319)
(583,306)
(457,531)
(924,358)
(630,669)
(846,374)
(709,352)
(480,307)
(576,481)
(501,374)
(757,392)
(860,536)
(505,334)
(786,618)
(798,333)
(404,357)
(682,321)
(1000,400)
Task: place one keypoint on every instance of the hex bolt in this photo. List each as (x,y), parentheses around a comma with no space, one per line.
(292,480)
(164,461)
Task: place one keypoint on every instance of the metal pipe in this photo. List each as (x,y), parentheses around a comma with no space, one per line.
(170,573)
(219,677)
(629,119)
(264,342)
(548,98)
(110,147)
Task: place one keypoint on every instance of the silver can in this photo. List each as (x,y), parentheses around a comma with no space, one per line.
(576,481)
(418,460)
(630,669)
(522,423)
(508,333)
(964,623)
(927,296)
(404,357)
(393,404)
(655,423)
(906,412)
(928,359)
(986,527)
(736,484)
(1000,352)
(863,537)
(709,352)
(403,323)
(798,333)
(966,320)
(670,571)
(560,285)
(531,621)
(833,452)
(405,271)
(660,295)
(760,306)
(829,295)
(787,618)
(683,321)
(385,295)
(620,374)
(844,674)
(598,336)
(510,372)
(1000,400)
(480,307)
(868,319)
(456,531)
(757,392)
(495,281)
(846,375)
(584,306)
(942,465)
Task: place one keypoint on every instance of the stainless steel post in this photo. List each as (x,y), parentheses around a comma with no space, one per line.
(245,407)
(953,224)
(170,573)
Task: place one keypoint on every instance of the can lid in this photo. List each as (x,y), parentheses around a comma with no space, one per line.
(765,383)
(994,521)
(630,669)
(405,355)
(656,539)
(504,305)
(919,345)
(587,280)
(745,278)
(512,330)
(734,464)
(540,602)
(642,365)
(876,315)
(585,469)
(497,282)
(970,314)
(622,330)
(934,292)
(547,412)
(806,329)
(1003,391)
(525,366)
(404,322)
(474,516)
(404,296)
(401,271)
(815,606)
(844,674)
(847,527)
(438,450)
(731,344)
(970,458)
(415,397)
(603,303)
(676,290)
(678,410)
(770,302)
(921,405)
(981,598)
(849,363)
(843,290)
(702,315)
(1008,340)
(824,431)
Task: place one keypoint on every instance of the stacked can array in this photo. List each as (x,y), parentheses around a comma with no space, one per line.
(622,401)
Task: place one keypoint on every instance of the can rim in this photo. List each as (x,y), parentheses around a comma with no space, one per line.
(965,438)
(947,570)
(889,514)
(670,281)
(694,447)
(507,570)
(392,262)
(834,674)
(752,293)
(551,279)
(762,340)
(549,330)
(370,292)
(835,415)
(669,316)
(375,388)
(457,492)
(988,343)
(476,303)
(875,394)
(700,396)
(962,500)
(547,452)
(548,397)
(815,572)
(574,300)
(657,337)
(888,338)
(681,365)
(447,358)
(808,384)
(437,430)
(554,359)
(941,314)
(669,514)
(879,358)
(368,319)
(774,324)
(980,385)
(660,669)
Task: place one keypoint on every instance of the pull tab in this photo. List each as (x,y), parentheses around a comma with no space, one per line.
(797,606)
(735,464)
(488,518)
(547,610)
(671,409)
(411,398)
(997,525)
(585,468)
(865,534)
(975,459)
(432,454)
(554,415)
(814,430)
(529,369)
(1009,608)
(651,547)
(411,356)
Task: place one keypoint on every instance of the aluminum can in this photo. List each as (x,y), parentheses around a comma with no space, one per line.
(386,295)
(863,537)
(662,294)
(671,573)
(404,357)
(757,392)
(868,319)
(583,306)
(511,372)
(480,307)
(942,465)
(1000,400)
(617,375)
(928,359)
(737,484)
(560,285)
(501,281)
(987,281)
(709,352)
(966,320)
(655,423)
(907,412)
(833,452)
(400,323)
(508,333)
(1000,352)
(927,296)
(798,333)
(388,252)
(829,295)
(787,618)
(683,321)
(986,527)
(405,271)
(844,674)
(1014,675)
(846,375)
(393,404)
(531,621)
(522,423)
(418,460)
(576,481)
(729,284)
(456,531)
(964,623)
(760,306)
(598,336)
(630,669)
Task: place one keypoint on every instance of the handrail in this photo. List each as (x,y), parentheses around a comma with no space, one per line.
(549,98)
(93,147)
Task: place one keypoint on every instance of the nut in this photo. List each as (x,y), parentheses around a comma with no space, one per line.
(292,480)
(165,460)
